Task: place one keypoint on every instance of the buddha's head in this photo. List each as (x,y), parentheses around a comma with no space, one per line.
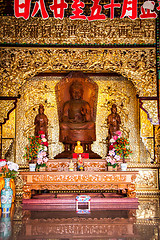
(76,90)
(41,109)
(114,108)
(78,143)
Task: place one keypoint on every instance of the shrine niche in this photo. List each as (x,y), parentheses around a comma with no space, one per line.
(77,102)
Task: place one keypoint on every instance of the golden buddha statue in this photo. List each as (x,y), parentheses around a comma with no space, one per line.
(78,148)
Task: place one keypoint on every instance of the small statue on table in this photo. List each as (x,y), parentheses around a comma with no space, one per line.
(71,166)
(78,148)
(80,163)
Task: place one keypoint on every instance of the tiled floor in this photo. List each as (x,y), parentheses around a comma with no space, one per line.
(142,223)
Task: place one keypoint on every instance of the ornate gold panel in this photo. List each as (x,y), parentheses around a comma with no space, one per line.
(8,129)
(151,106)
(146,126)
(148,118)
(147,209)
(8,134)
(67,31)
(137,65)
(157,143)
(147,180)
(5,107)
(6,145)
(147,134)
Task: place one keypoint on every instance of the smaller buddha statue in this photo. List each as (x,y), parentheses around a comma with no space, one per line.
(78,148)
(113,121)
(41,122)
(80,163)
(71,166)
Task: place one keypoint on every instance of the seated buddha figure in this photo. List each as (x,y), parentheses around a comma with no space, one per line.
(76,116)
(78,148)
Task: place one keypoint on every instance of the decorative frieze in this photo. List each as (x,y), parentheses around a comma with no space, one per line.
(67,31)
(17,65)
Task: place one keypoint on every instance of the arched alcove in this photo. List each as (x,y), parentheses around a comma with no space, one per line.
(112,89)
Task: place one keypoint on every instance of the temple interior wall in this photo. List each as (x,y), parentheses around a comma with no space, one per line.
(19,64)
(111,89)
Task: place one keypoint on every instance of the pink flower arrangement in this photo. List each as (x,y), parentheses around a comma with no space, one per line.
(119,147)
(42,158)
(112,159)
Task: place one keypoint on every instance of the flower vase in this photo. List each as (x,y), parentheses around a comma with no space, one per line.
(32,167)
(123,166)
(6,196)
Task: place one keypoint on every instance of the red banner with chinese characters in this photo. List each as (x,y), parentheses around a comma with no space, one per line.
(22,9)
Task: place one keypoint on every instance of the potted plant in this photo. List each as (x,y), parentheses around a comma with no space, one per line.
(8,170)
(121,148)
(112,161)
(42,158)
(32,148)
(36,151)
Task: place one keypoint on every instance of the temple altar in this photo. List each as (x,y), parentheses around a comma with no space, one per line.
(120,181)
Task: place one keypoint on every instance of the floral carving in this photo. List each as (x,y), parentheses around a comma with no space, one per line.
(18,65)
(147,179)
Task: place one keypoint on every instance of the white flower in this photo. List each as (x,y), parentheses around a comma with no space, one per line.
(39,161)
(44,140)
(12,166)
(117,157)
(108,159)
(112,140)
(41,154)
(45,148)
(112,152)
(3,163)
(45,159)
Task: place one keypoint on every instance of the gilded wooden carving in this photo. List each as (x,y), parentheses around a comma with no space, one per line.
(147,179)
(67,31)
(20,64)
(79,181)
(5,107)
